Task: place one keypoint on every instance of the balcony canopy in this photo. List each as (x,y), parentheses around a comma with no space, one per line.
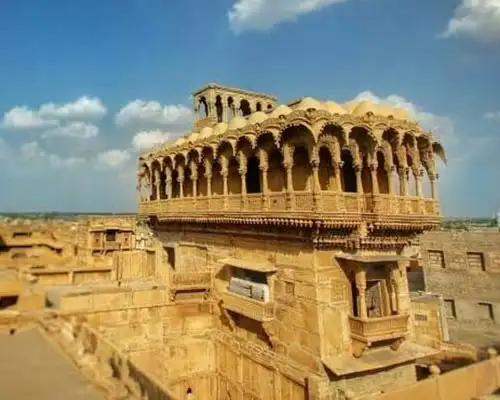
(372,259)
(250,265)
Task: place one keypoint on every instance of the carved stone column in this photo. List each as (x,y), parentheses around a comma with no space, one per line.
(336,170)
(168,182)
(157,185)
(194,181)
(418,182)
(395,288)
(360,278)
(316,186)
(180,179)
(403,181)
(434,189)
(243,176)
(208,175)
(359,180)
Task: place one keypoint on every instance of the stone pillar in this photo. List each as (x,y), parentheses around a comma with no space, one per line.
(418,182)
(403,181)
(180,179)
(168,182)
(373,172)
(336,171)
(316,186)
(359,180)
(434,189)
(194,180)
(208,175)
(157,185)
(360,278)
(396,287)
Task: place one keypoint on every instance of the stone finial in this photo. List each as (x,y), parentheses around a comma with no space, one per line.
(434,370)
(492,353)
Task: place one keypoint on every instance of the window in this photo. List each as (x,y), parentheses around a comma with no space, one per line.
(436,259)
(170,256)
(475,261)
(248,283)
(485,311)
(110,236)
(449,306)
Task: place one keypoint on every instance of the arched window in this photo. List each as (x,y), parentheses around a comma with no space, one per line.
(348,173)
(253,175)
(301,171)
(233,178)
(204,112)
(219,109)
(259,107)
(382,175)
(366,177)
(325,169)
(245,108)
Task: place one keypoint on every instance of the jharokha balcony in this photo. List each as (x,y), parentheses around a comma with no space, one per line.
(305,160)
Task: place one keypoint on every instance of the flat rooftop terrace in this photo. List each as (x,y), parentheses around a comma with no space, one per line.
(32,367)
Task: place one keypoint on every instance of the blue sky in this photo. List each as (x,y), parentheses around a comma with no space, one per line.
(84,84)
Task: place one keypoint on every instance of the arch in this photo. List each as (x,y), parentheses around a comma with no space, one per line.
(333,137)
(366,174)
(325,170)
(225,148)
(365,140)
(202,181)
(219,109)
(233,177)
(253,176)
(348,176)
(231,107)
(187,184)
(276,171)
(245,144)
(382,173)
(245,108)
(258,106)
(217,182)
(438,150)
(301,169)
(203,102)
(299,135)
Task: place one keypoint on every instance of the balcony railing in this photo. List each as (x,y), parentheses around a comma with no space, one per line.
(371,330)
(299,202)
(256,310)
(190,280)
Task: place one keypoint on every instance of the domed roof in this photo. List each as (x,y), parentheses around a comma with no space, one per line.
(206,132)
(334,108)
(401,113)
(180,141)
(257,117)
(350,106)
(220,128)
(364,107)
(282,109)
(384,110)
(308,102)
(193,137)
(237,122)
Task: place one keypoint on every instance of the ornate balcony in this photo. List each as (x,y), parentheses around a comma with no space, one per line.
(250,308)
(372,330)
(324,205)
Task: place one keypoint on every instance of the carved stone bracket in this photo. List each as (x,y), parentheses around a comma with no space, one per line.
(271,331)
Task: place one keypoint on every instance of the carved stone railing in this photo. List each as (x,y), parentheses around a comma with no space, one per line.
(250,308)
(371,330)
(324,203)
(190,280)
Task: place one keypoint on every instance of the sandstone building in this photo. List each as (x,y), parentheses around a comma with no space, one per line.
(464,267)
(269,260)
(301,213)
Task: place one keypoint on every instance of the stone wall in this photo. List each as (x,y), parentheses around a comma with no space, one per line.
(464,267)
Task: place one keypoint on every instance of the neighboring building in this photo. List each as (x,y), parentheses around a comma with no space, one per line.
(302,214)
(464,267)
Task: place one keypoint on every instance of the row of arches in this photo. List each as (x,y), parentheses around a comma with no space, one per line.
(353,163)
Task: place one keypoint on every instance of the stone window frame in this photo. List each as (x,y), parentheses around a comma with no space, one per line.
(491,310)
(453,304)
(443,257)
(483,259)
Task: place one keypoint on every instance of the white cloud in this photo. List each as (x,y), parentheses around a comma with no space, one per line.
(82,108)
(50,114)
(76,129)
(264,14)
(32,150)
(492,115)
(441,126)
(58,161)
(479,19)
(112,158)
(140,112)
(24,118)
(146,140)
